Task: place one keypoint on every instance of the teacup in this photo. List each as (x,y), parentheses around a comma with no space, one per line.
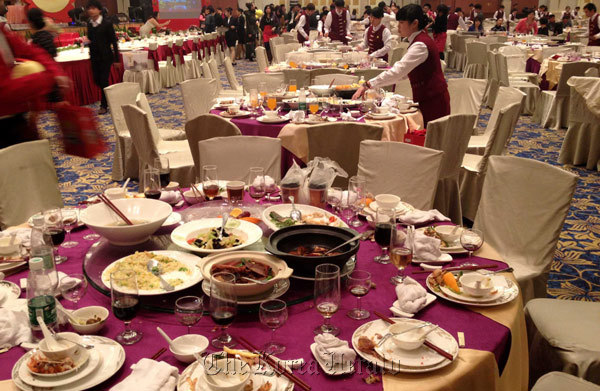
(115,193)
(403,106)
(271,114)
(233,109)
(383,110)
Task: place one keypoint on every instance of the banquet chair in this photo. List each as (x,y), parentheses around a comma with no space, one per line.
(563,336)
(324,71)
(559,381)
(553,107)
(251,81)
(336,78)
(249,151)
(404,88)
(450,134)
(408,171)
(165,134)
(179,60)
(516,63)
(523,206)
(302,77)
(476,66)
(261,59)
(466,96)
(368,74)
(198,96)
(491,90)
(473,168)
(289,38)
(461,51)
(166,70)
(149,146)
(214,71)
(207,73)
(397,53)
(230,74)
(193,65)
(591,72)
(531,90)
(148,79)
(494,47)
(28,182)
(341,143)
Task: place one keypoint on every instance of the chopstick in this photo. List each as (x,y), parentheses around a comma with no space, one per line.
(332,81)
(114,208)
(158,354)
(282,370)
(453,268)
(426,343)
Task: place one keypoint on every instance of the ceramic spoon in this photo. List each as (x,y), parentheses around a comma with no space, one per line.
(153,267)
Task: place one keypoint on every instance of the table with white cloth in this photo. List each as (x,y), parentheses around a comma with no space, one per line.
(551,69)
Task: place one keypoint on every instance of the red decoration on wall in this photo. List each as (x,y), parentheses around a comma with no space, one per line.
(61,16)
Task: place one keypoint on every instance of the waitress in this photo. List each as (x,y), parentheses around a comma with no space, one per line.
(421,64)
(268,25)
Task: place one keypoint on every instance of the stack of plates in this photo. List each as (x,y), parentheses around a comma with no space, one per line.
(92,368)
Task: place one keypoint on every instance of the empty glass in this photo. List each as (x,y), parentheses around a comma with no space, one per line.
(356,198)
(327,296)
(73,287)
(273,314)
(334,197)
(188,310)
(358,283)
(256,183)
(223,306)
(70,220)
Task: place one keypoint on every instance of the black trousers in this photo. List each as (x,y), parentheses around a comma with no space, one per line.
(101,73)
(250,46)
(15,130)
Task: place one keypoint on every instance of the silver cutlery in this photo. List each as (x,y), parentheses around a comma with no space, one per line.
(153,267)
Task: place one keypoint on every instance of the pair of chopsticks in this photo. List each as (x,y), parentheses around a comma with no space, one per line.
(158,354)
(282,370)
(426,343)
(112,206)
(448,269)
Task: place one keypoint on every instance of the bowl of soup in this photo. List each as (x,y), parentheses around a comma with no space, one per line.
(147,216)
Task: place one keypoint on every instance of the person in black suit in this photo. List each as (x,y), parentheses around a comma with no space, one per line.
(104,49)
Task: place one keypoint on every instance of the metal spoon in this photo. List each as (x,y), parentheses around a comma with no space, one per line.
(355,237)
(255,281)
(295,214)
(223,222)
(153,267)
(61,338)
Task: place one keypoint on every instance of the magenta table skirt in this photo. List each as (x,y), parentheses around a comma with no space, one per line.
(483,333)
(85,91)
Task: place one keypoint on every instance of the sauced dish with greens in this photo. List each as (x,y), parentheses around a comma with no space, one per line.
(208,239)
(244,268)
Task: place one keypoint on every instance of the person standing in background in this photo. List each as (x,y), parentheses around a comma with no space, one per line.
(499,14)
(210,25)
(219,19)
(268,25)
(439,28)
(3,12)
(151,23)
(251,31)
(512,18)
(104,49)
(594,24)
(337,23)
(303,26)
(576,14)
(471,12)
(377,37)
(241,32)
(231,23)
(566,13)
(294,16)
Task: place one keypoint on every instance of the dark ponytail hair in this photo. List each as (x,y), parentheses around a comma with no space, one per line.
(36,18)
(412,12)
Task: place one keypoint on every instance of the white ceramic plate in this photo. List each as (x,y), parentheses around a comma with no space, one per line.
(401,208)
(62,379)
(378,117)
(409,111)
(181,234)
(173,219)
(332,370)
(285,209)
(268,120)
(508,294)
(279,289)
(190,260)
(80,357)
(395,309)
(454,248)
(112,358)
(240,114)
(8,291)
(417,361)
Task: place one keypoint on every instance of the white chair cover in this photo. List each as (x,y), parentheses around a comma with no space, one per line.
(179,66)
(523,206)
(198,96)
(28,183)
(591,72)
(166,70)
(181,163)
(396,54)
(148,79)
(563,336)
(466,95)
(261,59)
(324,71)
(532,90)
(157,134)
(249,151)
(559,381)
(214,71)
(207,126)
(476,67)
(193,66)
(302,77)
(337,78)
(516,58)
(341,143)
(251,81)
(230,73)
(450,134)
(493,80)
(408,171)
(207,73)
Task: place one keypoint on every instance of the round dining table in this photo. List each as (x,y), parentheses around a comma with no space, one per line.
(494,355)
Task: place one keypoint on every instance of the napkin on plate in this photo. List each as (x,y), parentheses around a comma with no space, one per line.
(14,325)
(333,350)
(427,249)
(150,375)
(422,216)
(22,233)
(412,297)
(171,197)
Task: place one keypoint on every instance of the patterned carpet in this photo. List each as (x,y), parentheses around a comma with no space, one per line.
(575,271)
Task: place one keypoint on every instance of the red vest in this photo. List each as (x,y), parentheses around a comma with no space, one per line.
(337,30)
(594,29)
(453,21)
(375,40)
(306,28)
(427,80)
(500,15)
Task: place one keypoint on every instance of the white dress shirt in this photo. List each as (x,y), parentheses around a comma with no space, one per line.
(328,19)
(462,24)
(415,55)
(388,19)
(96,22)
(299,26)
(387,42)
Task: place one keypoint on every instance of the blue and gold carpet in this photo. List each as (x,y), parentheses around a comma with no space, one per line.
(575,272)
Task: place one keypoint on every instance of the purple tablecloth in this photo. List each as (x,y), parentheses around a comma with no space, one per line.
(483,333)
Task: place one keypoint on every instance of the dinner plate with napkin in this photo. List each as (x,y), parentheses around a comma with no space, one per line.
(422,216)
(150,375)
(334,355)
(412,298)
(427,249)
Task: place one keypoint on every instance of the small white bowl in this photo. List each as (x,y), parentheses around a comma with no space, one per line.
(226,374)
(190,344)
(383,110)
(87,313)
(191,197)
(387,200)
(410,340)
(445,232)
(115,193)
(68,347)
(469,284)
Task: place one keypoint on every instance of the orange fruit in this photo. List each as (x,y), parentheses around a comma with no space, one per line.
(251,219)
(235,212)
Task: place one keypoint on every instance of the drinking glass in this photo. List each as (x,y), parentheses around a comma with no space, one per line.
(262,91)
(54,226)
(70,219)
(151,183)
(289,189)
(356,198)
(358,283)
(327,296)
(313,107)
(73,287)
(273,314)
(162,165)
(401,255)
(223,306)
(235,192)
(471,240)
(293,86)
(210,181)
(385,227)
(253,100)
(334,197)
(188,310)
(256,183)
(125,303)
(272,103)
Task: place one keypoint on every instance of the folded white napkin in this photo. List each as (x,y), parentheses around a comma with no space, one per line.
(14,325)
(411,296)
(269,182)
(333,350)
(171,197)
(347,117)
(149,375)
(22,233)
(422,216)
(342,196)
(427,248)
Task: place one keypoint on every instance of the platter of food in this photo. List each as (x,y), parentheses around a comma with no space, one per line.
(202,235)
(277,290)
(39,371)
(277,216)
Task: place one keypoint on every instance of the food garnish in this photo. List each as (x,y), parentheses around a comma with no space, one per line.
(39,363)
(372,378)
(209,239)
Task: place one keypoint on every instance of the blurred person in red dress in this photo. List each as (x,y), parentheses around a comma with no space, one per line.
(24,85)
(527,25)
(421,64)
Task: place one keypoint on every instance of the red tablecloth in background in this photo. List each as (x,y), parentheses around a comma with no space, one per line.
(66,39)
(85,91)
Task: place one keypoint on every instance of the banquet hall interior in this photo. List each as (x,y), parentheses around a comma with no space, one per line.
(220,195)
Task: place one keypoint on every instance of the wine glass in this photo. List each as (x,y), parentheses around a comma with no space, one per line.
(223,306)
(70,217)
(210,181)
(253,101)
(385,227)
(471,240)
(125,303)
(327,296)
(356,198)
(161,163)
(188,310)
(54,226)
(73,287)
(313,107)
(273,314)
(272,103)
(293,86)
(262,93)
(401,255)
(151,183)
(334,197)
(358,283)
(256,183)
(325,106)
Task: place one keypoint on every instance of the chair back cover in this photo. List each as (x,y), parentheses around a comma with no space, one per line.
(323,71)
(142,102)
(466,95)
(214,71)
(28,183)
(570,69)
(523,206)
(139,124)
(337,79)
(505,97)
(262,59)
(591,72)
(252,81)
(341,143)
(230,73)
(198,97)
(302,77)
(368,74)
(207,73)
(501,133)
(476,53)
(404,88)
(118,95)
(408,171)
(234,155)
